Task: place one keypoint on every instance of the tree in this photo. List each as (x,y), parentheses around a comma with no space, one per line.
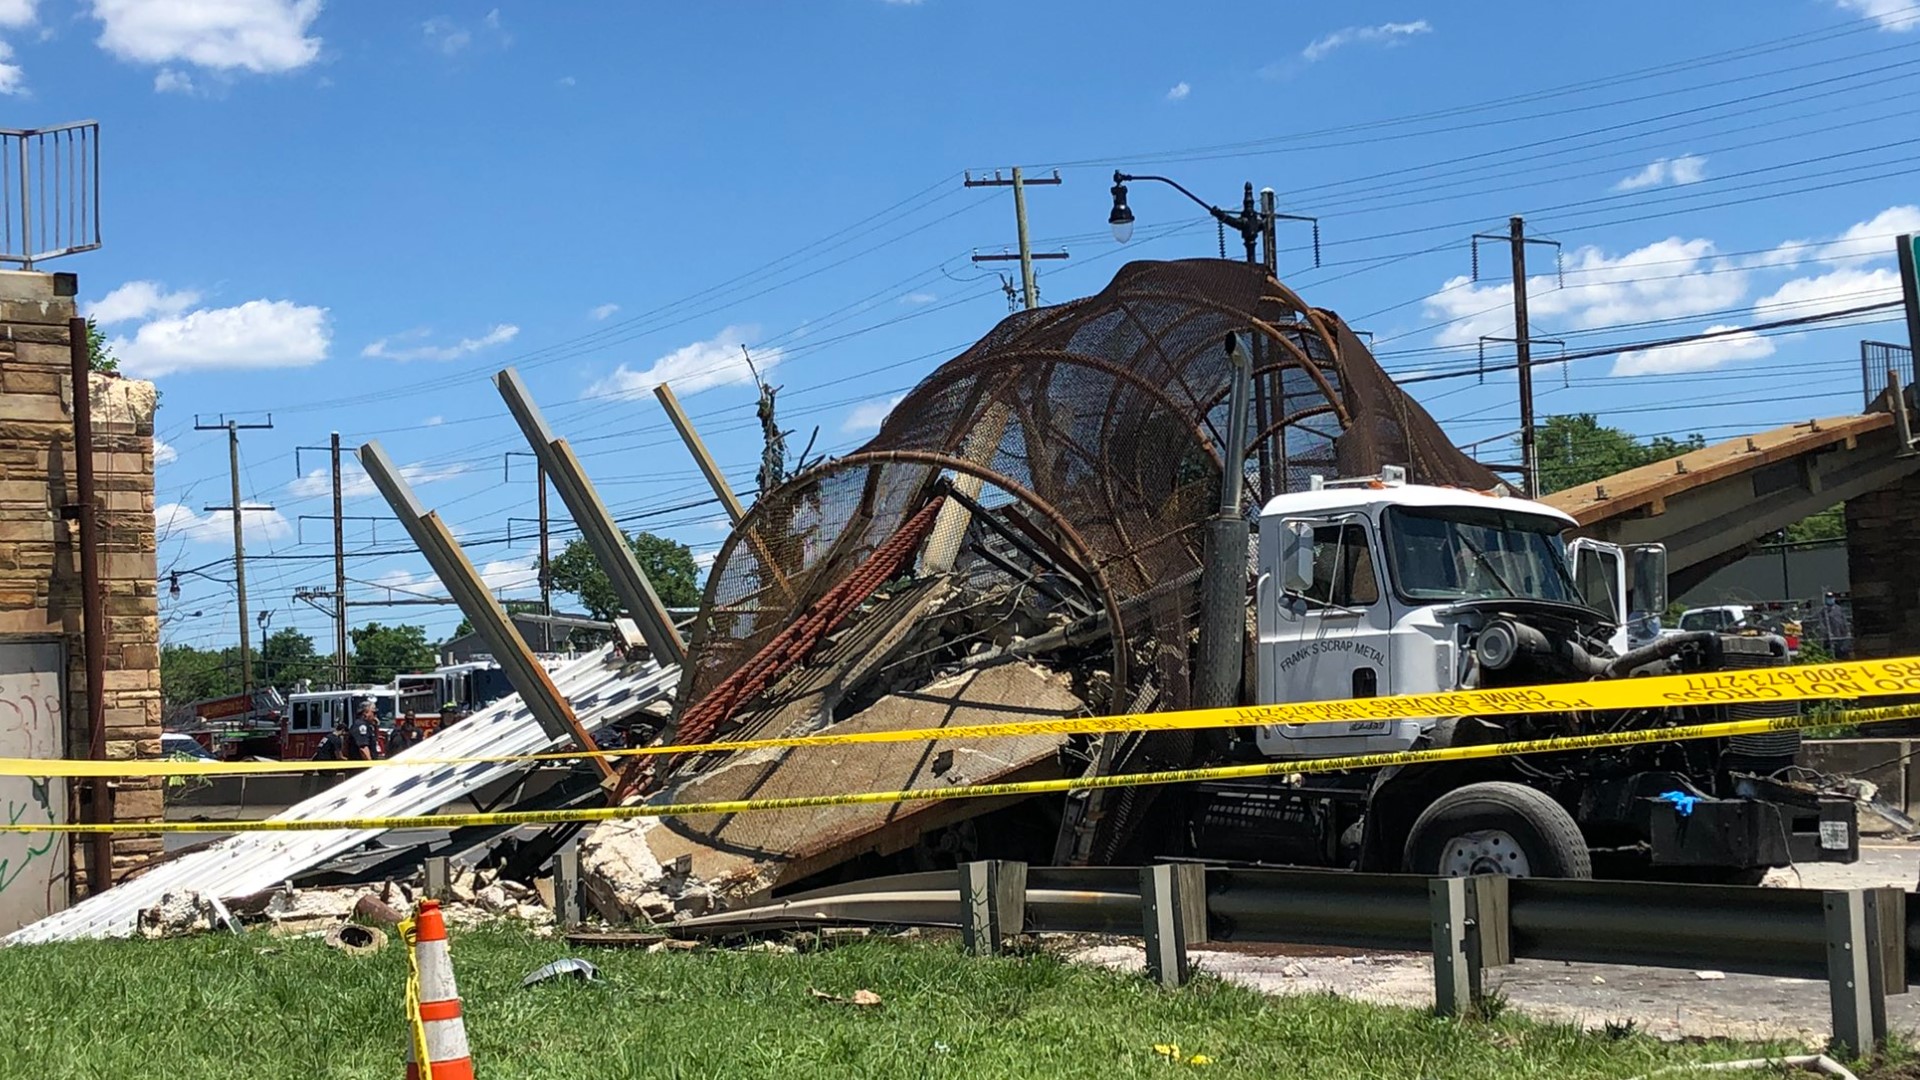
(381,652)
(513,607)
(668,564)
(1577,449)
(100,356)
(287,656)
(1828,524)
(188,675)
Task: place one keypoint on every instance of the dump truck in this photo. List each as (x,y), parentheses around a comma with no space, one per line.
(1376,586)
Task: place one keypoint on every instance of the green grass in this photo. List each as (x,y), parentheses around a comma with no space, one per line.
(260,1007)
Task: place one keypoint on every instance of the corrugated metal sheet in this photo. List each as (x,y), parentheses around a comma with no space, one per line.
(601,689)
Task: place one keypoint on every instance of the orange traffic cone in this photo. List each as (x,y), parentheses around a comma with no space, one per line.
(433,1002)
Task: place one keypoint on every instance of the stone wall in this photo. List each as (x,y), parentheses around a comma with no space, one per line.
(1883,533)
(40,595)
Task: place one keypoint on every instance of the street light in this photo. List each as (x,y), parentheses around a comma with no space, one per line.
(1252,223)
(1122,218)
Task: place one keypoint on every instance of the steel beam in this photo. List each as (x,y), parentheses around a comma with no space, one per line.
(1173,915)
(993,900)
(597,527)
(490,620)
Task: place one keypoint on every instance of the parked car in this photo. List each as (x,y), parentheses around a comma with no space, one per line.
(177,744)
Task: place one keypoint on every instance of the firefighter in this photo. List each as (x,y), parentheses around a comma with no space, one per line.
(333,747)
(406,732)
(448,714)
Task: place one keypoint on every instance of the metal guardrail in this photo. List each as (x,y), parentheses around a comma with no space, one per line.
(1860,941)
(49,192)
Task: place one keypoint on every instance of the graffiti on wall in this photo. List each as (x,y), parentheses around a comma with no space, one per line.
(33,865)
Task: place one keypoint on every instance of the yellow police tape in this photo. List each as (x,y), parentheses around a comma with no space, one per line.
(1844,681)
(1560,744)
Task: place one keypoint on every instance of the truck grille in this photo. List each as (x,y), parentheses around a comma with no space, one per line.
(1753,652)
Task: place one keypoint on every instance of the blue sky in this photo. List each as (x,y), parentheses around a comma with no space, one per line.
(350,215)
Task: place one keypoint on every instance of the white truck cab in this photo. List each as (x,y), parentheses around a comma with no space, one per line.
(1375,587)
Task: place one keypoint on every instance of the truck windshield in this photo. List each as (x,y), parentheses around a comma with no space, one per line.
(1468,553)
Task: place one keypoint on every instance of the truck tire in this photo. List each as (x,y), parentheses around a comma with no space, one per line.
(1500,828)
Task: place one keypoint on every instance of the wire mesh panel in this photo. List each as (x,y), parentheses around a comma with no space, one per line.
(1094,430)
(49,192)
(1877,359)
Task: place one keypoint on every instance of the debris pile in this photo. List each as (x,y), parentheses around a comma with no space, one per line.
(1022,537)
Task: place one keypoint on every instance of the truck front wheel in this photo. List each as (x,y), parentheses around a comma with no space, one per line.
(1497,828)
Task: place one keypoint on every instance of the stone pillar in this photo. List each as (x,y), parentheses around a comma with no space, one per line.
(39,544)
(1883,532)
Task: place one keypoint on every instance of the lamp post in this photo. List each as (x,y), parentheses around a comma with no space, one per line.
(1253,223)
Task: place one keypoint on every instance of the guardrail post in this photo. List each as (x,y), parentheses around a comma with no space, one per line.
(993,903)
(566,887)
(1173,910)
(1856,973)
(1470,934)
(439,878)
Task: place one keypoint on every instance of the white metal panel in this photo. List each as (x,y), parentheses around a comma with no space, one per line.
(600,689)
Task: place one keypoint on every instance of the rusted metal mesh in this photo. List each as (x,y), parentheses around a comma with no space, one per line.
(1099,423)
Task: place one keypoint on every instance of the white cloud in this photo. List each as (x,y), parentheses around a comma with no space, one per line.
(717,361)
(355,483)
(1695,355)
(216,526)
(384,347)
(1670,278)
(493,19)
(902,3)
(567,80)
(442,34)
(13,78)
(703,560)
(1686,169)
(1845,287)
(511,574)
(604,311)
(434,421)
(918,299)
(1890,14)
(170,81)
(1866,241)
(1179,92)
(869,415)
(17,13)
(261,36)
(256,334)
(163,452)
(140,300)
(408,581)
(1393,33)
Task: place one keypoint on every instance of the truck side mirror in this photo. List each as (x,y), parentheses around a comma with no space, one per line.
(1647,579)
(1296,555)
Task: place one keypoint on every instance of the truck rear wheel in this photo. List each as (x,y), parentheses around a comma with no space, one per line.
(1497,828)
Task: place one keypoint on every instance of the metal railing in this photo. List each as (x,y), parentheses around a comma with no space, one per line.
(1858,941)
(49,192)
(1877,358)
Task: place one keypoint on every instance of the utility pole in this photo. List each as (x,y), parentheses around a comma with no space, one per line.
(343,675)
(1030,291)
(237,508)
(1517,240)
(546,551)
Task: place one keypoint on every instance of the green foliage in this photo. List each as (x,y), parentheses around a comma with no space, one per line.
(100,354)
(669,565)
(188,675)
(1828,524)
(380,652)
(287,656)
(513,607)
(1577,449)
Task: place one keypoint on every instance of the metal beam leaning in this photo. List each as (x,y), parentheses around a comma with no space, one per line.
(597,527)
(717,480)
(490,620)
